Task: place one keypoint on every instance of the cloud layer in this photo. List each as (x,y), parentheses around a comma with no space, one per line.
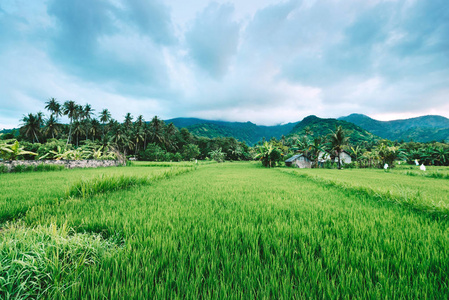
(261,61)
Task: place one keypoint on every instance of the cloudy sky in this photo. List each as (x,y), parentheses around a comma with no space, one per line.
(263,61)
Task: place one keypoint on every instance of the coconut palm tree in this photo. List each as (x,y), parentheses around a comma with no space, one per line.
(170,133)
(51,127)
(139,121)
(32,126)
(86,116)
(128,121)
(157,131)
(54,107)
(78,129)
(105,116)
(70,109)
(338,140)
(94,129)
(317,147)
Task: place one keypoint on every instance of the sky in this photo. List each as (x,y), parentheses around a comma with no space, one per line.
(268,62)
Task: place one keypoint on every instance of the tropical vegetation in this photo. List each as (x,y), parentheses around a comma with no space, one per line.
(87,136)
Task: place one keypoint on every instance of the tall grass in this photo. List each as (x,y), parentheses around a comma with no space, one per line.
(89,187)
(45,260)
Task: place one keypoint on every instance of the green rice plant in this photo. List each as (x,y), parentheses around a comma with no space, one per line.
(20,192)
(400,194)
(237,230)
(45,260)
(436,175)
(88,187)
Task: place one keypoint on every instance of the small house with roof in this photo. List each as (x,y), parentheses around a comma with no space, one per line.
(299,161)
(345,158)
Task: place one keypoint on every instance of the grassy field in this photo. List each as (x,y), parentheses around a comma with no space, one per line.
(232,230)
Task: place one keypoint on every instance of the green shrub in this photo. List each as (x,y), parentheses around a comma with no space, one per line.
(3,169)
(18,169)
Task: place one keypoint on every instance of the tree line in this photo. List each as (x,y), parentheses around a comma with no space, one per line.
(365,154)
(146,140)
(155,140)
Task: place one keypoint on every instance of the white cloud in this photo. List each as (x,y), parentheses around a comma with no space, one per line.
(266,61)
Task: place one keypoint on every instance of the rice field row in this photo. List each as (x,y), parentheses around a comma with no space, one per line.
(21,191)
(237,230)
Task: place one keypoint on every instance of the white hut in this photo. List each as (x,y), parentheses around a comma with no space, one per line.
(345,158)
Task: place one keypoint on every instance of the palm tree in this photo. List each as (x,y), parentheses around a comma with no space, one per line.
(54,107)
(157,131)
(94,129)
(105,116)
(87,112)
(139,136)
(78,129)
(120,138)
(86,115)
(70,109)
(338,140)
(317,147)
(170,133)
(139,132)
(139,122)
(128,121)
(51,126)
(303,146)
(32,126)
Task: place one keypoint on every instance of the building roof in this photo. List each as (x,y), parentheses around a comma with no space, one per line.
(293,158)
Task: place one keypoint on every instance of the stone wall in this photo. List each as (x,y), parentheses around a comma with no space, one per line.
(69,164)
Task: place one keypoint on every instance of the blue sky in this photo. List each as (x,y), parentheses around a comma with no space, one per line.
(263,61)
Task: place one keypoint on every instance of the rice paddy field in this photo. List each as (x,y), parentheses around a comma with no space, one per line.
(229,230)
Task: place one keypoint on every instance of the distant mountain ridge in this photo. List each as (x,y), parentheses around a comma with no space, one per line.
(252,133)
(420,129)
(360,128)
(322,127)
(247,132)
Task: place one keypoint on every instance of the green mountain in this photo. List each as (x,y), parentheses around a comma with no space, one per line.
(247,132)
(420,129)
(252,133)
(321,127)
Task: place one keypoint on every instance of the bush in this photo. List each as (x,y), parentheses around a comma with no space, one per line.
(3,169)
